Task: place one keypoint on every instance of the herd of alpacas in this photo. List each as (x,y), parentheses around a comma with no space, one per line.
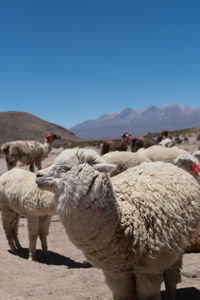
(132,214)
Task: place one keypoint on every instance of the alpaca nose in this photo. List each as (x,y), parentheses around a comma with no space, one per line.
(38,175)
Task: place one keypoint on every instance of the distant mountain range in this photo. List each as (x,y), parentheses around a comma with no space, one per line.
(138,123)
(15,125)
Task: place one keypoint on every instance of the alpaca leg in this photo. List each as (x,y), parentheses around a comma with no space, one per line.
(38,164)
(122,286)
(148,286)
(33,228)
(31,167)
(15,233)
(44,223)
(8,222)
(171,277)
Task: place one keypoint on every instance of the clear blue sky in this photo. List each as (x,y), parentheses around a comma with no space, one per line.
(70,61)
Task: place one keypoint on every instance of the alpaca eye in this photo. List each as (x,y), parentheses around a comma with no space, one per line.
(64,169)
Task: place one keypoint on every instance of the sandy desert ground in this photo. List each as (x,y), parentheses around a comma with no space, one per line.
(65,275)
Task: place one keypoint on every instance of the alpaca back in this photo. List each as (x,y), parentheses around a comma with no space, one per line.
(19,191)
(28,151)
(167,199)
(159,153)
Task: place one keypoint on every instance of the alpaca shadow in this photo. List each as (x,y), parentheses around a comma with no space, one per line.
(185,294)
(53,258)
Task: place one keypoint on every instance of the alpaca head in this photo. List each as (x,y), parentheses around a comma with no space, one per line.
(48,178)
(187,162)
(52,137)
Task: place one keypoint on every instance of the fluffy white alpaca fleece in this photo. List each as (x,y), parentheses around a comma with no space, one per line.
(28,152)
(159,153)
(135,227)
(20,196)
(71,157)
(124,160)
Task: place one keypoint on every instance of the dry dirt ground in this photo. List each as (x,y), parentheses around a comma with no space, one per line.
(64,275)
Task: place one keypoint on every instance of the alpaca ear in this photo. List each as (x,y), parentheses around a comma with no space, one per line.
(104,167)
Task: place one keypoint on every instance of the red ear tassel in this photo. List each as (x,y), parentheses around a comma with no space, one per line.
(49,138)
(195,170)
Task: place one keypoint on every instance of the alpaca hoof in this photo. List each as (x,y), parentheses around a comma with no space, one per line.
(19,248)
(32,258)
(13,251)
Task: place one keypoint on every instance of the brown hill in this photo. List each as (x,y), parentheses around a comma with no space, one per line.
(16,125)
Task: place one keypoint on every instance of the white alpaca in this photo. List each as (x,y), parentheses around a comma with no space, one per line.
(159,153)
(20,196)
(124,160)
(28,152)
(135,227)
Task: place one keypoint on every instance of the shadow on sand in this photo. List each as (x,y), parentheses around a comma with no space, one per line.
(56,259)
(185,294)
(53,258)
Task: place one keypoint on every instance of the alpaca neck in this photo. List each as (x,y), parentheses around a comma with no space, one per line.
(92,217)
(47,147)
